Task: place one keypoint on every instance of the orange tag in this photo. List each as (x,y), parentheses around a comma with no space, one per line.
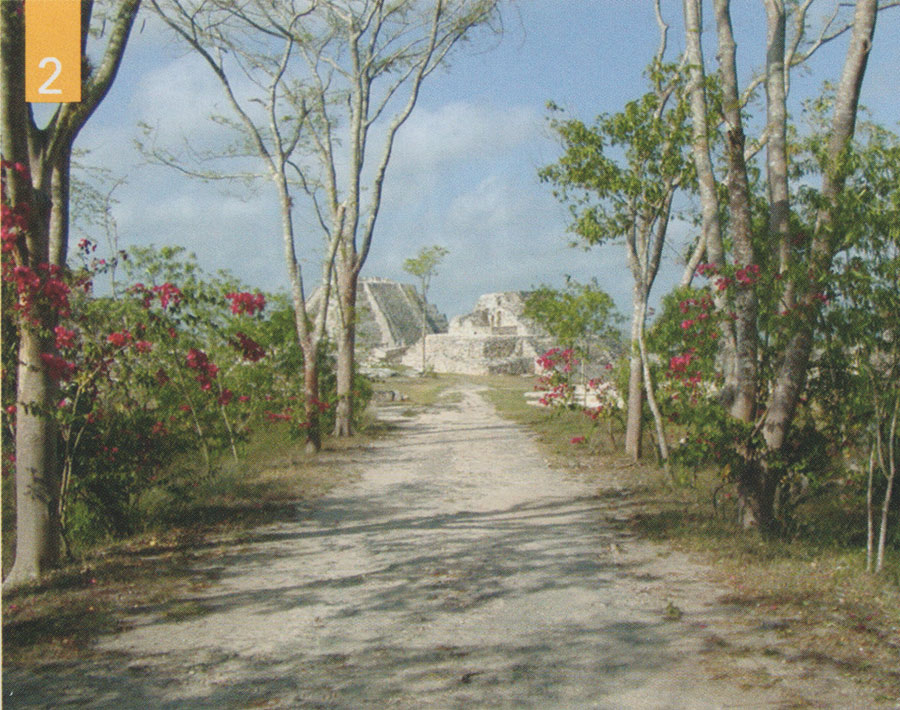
(52,51)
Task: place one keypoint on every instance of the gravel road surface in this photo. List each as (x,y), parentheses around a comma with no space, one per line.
(459,571)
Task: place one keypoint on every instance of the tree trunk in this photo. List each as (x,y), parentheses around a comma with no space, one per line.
(776,145)
(651,397)
(59,218)
(693,261)
(347,284)
(37,479)
(424,331)
(311,398)
(633,428)
(711,234)
(870,512)
(890,469)
(791,373)
(745,327)
(706,181)
(47,152)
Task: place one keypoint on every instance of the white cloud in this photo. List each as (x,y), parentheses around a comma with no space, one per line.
(182,92)
(460,131)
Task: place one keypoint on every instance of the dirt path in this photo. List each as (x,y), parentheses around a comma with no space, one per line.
(459,572)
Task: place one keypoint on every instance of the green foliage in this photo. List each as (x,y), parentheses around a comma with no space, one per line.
(576,316)
(424,264)
(622,167)
(163,380)
(851,386)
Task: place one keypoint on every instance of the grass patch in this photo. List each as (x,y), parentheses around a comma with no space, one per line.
(812,588)
(421,391)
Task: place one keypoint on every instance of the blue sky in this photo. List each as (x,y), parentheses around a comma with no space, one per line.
(464,173)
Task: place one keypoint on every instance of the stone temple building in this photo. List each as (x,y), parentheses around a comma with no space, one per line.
(388,318)
(495,338)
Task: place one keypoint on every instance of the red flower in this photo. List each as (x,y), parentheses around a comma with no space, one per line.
(195,358)
(577,440)
(244,398)
(65,338)
(225,397)
(168,292)
(57,367)
(118,340)
(320,405)
(246,302)
(679,363)
(250,349)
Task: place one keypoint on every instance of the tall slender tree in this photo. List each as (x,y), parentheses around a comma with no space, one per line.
(367,61)
(424,266)
(255,41)
(769,407)
(36,180)
(630,199)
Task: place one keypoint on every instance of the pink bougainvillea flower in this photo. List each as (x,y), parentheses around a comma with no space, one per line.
(65,338)
(119,339)
(246,302)
(168,293)
(250,349)
(58,368)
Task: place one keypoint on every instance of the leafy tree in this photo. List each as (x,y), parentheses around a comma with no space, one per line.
(629,198)
(766,399)
(424,266)
(36,178)
(337,80)
(180,360)
(256,40)
(855,384)
(366,65)
(575,317)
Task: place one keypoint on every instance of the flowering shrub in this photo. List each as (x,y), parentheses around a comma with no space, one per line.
(598,399)
(178,362)
(554,381)
(246,303)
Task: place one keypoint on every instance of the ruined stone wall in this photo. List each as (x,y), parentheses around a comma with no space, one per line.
(495,338)
(478,354)
(496,314)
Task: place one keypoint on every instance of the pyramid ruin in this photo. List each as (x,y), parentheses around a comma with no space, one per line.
(389,318)
(495,338)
